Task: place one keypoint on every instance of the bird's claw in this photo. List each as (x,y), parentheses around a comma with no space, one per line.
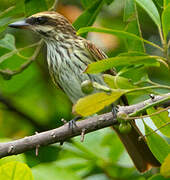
(114,112)
(72,123)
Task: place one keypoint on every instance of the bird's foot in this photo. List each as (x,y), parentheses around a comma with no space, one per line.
(114,112)
(72,123)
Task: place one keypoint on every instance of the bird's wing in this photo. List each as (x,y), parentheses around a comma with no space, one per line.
(97,54)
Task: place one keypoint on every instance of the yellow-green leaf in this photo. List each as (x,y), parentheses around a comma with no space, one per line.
(118,82)
(109,63)
(93,103)
(157,177)
(160,119)
(159,147)
(15,171)
(166,3)
(165,168)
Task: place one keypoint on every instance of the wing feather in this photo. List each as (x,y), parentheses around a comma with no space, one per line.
(97,54)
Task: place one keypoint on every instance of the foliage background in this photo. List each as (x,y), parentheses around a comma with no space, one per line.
(32,92)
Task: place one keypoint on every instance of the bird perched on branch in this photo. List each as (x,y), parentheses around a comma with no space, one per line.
(68,55)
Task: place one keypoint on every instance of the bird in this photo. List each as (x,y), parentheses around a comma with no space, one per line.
(68,55)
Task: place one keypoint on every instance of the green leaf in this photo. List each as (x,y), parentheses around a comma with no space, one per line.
(86,3)
(160,120)
(151,10)
(82,159)
(6,11)
(136,45)
(159,147)
(53,172)
(133,53)
(129,10)
(165,168)
(34,6)
(159,4)
(106,144)
(118,33)
(131,16)
(117,82)
(166,2)
(8,42)
(109,63)
(121,34)
(108,151)
(88,17)
(157,177)
(52,152)
(16,10)
(129,71)
(93,103)
(15,171)
(108,1)
(165,21)
(7,55)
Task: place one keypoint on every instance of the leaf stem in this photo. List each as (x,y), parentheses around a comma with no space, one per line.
(148,87)
(149,105)
(164,44)
(145,116)
(154,131)
(115,32)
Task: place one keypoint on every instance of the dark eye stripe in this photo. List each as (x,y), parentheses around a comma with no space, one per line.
(42,20)
(37,21)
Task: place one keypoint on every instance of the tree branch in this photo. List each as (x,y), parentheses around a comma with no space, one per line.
(63,133)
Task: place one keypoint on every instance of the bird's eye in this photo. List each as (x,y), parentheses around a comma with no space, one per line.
(41,20)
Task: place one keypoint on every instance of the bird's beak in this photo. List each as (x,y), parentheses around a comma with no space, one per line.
(20,24)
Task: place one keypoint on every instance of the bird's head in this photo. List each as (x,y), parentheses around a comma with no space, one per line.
(48,24)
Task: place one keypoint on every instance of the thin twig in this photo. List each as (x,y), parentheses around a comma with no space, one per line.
(7,10)
(63,121)
(26,64)
(164,43)
(54,6)
(149,115)
(82,134)
(154,131)
(150,103)
(15,51)
(37,147)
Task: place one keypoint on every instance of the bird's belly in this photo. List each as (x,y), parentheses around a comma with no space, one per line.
(71,83)
(68,74)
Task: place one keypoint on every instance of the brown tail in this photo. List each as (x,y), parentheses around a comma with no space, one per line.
(138,150)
